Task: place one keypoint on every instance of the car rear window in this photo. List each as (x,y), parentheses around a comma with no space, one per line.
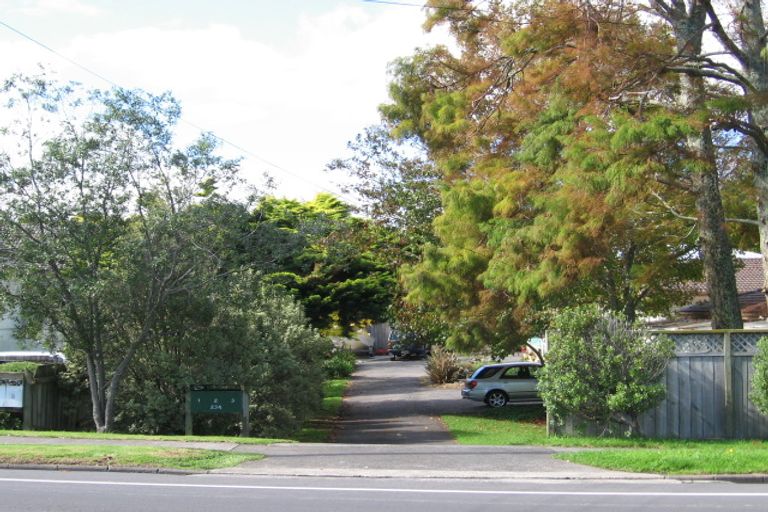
(486,372)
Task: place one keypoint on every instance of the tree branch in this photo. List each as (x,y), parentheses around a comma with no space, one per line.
(672,210)
(723,36)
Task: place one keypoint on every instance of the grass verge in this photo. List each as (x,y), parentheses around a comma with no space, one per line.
(138,437)
(125,456)
(523,425)
(721,457)
(526,425)
(320,429)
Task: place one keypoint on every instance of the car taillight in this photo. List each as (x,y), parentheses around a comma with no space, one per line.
(471,384)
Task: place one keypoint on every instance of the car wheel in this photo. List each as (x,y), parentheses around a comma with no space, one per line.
(496,399)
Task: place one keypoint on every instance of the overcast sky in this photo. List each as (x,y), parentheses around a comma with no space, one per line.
(290,81)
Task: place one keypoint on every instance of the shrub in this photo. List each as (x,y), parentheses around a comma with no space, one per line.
(443,366)
(10,421)
(251,335)
(759,393)
(340,364)
(602,368)
(19,367)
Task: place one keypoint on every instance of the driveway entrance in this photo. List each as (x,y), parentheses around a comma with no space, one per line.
(389,402)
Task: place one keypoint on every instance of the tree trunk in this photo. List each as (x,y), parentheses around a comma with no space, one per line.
(752,32)
(97,403)
(716,250)
(688,24)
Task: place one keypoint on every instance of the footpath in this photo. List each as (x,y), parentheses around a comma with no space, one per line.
(372,460)
(508,463)
(390,428)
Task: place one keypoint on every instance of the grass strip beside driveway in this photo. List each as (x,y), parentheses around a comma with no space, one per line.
(526,425)
(320,429)
(123,456)
(139,437)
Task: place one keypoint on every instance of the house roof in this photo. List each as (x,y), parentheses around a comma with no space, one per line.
(750,276)
(749,286)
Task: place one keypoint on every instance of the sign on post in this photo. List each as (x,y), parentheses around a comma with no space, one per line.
(11,393)
(217,401)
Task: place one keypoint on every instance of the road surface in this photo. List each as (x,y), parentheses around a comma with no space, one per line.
(41,491)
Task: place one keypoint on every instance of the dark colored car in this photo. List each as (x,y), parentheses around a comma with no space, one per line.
(408,351)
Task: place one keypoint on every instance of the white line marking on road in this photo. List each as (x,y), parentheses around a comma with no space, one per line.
(385,490)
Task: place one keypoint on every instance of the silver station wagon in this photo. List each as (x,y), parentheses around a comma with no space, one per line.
(500,384)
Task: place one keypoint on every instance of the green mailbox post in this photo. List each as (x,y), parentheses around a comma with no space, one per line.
(217,401)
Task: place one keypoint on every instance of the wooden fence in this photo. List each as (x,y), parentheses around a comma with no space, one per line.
(708,384)
(46,405)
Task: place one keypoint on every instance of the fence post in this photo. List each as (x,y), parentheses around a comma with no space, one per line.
(28,403)
(188,413)
(730,410)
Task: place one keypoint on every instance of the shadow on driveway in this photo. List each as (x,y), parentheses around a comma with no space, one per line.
(388,403)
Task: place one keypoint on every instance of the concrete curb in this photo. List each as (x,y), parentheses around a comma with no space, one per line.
(391,474)
(736,479)
(101,469)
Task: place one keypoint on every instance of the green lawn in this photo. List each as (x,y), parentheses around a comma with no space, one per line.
(737,457)
(320,429)
(522,425)
(526,425)
(127,456)
(138,437)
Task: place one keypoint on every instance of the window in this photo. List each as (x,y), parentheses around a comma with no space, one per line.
(517,372)
(486,372)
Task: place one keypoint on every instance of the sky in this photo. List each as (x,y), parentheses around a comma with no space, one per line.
(287,81)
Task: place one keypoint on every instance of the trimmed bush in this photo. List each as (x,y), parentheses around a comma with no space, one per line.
(759,393)
(603,369)
(340,364)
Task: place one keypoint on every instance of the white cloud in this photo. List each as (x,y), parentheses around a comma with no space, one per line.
(53,7)
(294,106)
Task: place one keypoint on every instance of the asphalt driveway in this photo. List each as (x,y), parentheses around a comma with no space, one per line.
(389,402)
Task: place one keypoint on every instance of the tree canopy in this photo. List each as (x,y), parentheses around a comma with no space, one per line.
(579,162)
(332,270)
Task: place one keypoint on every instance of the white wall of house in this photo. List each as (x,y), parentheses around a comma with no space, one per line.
(9,342)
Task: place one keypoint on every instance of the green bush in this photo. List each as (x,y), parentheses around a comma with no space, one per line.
(248,334)
(10,421)
(759,393)
(19,366)
(341,364)
(602,368)
(443,366)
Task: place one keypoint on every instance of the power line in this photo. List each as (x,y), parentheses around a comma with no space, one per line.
(185,121)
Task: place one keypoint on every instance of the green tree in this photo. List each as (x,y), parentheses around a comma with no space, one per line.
(95,219)
(602,368)
(339,280)
(399,191)
(564,187)
(235,332)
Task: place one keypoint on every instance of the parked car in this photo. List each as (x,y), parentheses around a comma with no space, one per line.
(500,384)
(408,351)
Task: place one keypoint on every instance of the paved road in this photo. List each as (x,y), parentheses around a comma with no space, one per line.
(388,403)
(41,491)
